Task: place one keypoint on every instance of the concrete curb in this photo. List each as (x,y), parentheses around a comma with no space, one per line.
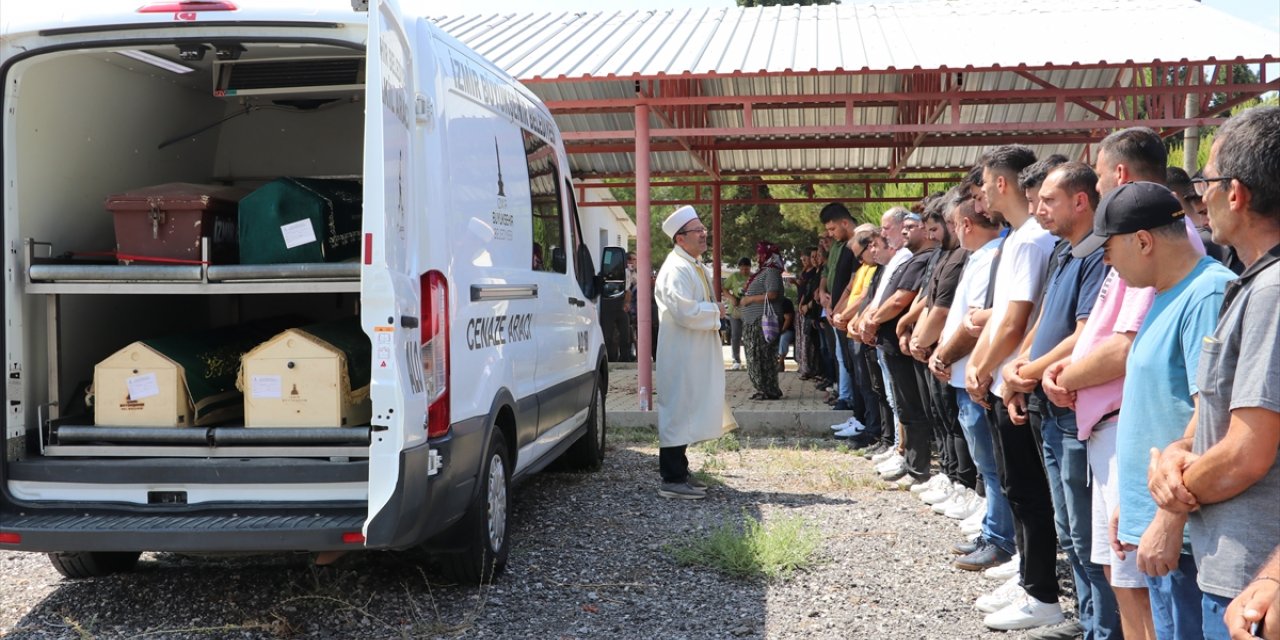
(806,423)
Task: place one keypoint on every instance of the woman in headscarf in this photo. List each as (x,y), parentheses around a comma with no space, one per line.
(764,287)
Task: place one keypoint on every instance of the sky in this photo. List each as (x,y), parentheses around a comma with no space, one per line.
(1264,13)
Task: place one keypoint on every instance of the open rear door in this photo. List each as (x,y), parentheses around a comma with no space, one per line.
(389,282)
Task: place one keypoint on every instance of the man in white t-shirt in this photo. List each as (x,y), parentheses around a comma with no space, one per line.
(1018,282)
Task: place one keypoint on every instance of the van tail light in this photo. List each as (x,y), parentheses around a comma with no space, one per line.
(184,7)
(10,538)
(435,351)
(352,537)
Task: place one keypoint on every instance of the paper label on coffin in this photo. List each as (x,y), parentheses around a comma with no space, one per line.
(314,378)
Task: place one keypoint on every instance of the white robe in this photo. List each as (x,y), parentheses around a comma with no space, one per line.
(690,385)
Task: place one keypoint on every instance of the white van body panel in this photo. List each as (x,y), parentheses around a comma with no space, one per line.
(447,144)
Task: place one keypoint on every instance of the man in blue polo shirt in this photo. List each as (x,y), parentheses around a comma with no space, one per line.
(1142,227)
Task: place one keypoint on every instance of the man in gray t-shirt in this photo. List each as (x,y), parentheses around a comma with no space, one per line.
(1227,463)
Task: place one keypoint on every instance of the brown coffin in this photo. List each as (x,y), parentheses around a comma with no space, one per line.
(165,223)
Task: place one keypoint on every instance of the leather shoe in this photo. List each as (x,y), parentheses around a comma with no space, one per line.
(841,405)
(1069,630)
(985,557)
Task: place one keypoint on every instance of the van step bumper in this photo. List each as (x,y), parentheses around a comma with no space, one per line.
(310,530)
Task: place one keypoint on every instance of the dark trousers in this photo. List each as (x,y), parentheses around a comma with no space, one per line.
(917,433)
(959,465)
(616,326)
(945,463)
(828,334)
(866,406)
(1022,476)
(888,427)
(673,464)
(812,348)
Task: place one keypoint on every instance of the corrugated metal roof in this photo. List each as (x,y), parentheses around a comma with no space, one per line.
(856,48)
(858,36)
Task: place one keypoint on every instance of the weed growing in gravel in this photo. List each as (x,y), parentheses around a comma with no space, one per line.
(708,478)
(727,442)
(713,463)
(753,549)
(842,448)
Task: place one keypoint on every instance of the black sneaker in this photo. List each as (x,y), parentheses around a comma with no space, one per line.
(985,557)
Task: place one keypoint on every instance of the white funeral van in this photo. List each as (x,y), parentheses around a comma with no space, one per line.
(473,283)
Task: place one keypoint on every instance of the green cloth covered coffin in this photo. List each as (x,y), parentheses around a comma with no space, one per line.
(293,220)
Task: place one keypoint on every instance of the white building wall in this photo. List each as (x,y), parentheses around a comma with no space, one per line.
(610,223)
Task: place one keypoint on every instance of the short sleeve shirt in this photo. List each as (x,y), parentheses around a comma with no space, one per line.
(908,278)
(1069,297)
(971,293)
(1160,384)
(945,279)
(1239,369)
(1019,278)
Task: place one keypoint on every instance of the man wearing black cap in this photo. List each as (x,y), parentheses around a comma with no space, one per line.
(1145,237)
(1227,465)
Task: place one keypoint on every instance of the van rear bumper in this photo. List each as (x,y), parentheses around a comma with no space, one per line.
(66,530)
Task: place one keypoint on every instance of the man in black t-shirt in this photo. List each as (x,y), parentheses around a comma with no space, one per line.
(902,289)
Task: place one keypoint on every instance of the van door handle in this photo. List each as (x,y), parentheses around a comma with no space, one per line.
(576,302)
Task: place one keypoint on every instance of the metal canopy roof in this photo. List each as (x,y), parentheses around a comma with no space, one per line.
(867,86)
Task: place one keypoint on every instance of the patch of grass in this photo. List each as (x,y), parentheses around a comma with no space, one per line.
(842,448)
(726,442)
(633,435)
(714,463)
(708,478)
(754,550)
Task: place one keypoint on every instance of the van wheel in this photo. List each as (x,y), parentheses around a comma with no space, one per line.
(587,454)
(485,524)
(93,564)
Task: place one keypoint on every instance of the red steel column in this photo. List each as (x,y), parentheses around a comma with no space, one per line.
(716,255)
(644,264)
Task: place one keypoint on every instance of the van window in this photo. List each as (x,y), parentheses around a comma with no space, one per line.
(548,216)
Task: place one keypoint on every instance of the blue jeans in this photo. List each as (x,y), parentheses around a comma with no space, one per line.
(1213,608)
(1067,466)
(845,377)
(893,403)
(997,526)
(784,342)
(1176,602)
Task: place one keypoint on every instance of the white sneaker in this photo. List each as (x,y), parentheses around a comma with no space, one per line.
(933,483)
(1004,571)
(1025,613)
(957,496)
(940,494)
(892,474)
(969,527)
(853,429)
(737,366)
(884,455)
(891,463)
(966,508)
(1000,597)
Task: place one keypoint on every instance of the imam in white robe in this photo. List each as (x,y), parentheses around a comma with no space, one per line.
(691,402)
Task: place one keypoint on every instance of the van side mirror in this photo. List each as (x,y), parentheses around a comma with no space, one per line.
(613,264)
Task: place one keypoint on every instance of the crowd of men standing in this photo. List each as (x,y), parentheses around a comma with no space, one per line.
(1092,354)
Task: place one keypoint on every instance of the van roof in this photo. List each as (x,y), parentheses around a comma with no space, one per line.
(29,17)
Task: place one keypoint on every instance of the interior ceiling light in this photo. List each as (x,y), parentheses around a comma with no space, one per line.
(156,61)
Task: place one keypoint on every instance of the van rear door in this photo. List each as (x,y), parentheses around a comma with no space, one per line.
(389,281)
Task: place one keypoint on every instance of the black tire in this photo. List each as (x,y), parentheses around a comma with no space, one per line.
(587,454)
(485,524)
(93,564)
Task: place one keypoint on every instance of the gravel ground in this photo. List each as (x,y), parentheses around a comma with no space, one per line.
(590,559)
